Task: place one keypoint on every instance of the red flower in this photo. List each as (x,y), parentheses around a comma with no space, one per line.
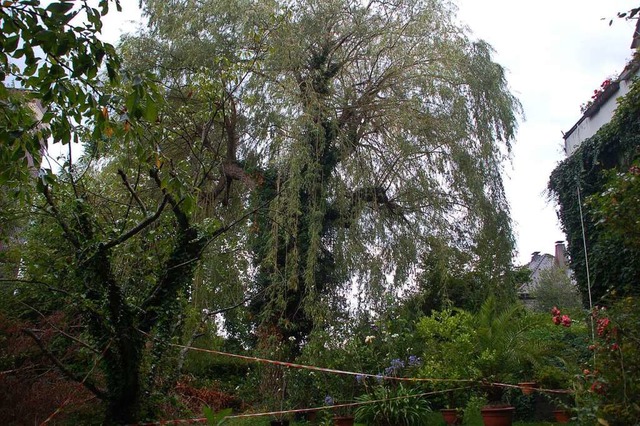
(603,323)
(555,311)
(598,387)
(556,320)
(615,347)
(566,321)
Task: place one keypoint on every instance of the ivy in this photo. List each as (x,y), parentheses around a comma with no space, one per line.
(614,264)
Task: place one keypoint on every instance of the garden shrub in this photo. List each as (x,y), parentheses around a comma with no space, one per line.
(609,390)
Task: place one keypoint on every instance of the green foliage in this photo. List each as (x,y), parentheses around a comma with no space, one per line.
(614,261)
(457,277)
(216,419)
(491,344)
(607,390)
(62,58)
(616,207)
(555,288)
(449,338)
(401,406)
(504,344)
(472,409)
(351,134)
(326,124)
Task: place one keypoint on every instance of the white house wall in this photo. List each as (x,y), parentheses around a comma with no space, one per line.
(590,125)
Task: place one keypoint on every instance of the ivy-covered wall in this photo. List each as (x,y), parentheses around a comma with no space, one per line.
(614,265)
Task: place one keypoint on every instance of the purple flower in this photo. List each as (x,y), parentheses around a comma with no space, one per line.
(397,364)
(360,378)
(414,361)
(379,378)
(328,400)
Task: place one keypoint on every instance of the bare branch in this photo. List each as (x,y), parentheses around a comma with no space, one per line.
(64,333)
(123,176)
(82,380)
(35,282)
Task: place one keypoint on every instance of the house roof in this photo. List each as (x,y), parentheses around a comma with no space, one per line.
(636,36)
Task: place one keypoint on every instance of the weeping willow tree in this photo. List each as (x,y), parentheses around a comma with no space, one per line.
(363,128)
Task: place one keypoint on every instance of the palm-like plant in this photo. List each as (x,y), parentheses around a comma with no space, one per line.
(500,339)
(504,345)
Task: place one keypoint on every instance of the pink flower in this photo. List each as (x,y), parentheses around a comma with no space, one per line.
(566,321)
(598,387)
(603,323)
(556,320)
(555,311)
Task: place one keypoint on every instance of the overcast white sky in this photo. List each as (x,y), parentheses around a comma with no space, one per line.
(556,53)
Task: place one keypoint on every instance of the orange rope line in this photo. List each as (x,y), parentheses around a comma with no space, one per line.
(323,369)
(298,410)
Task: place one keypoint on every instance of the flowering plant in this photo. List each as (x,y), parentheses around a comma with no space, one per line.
(596,94)
(397,404)
(559,319)
(603,391)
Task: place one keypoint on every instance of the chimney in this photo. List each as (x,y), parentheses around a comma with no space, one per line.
(560,259)
(535,255)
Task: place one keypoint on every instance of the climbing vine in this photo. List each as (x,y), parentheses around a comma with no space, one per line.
(614,264)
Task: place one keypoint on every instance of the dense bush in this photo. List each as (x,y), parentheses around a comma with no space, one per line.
(609,389)
(501,344)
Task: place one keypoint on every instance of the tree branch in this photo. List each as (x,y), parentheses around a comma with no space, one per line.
(139,227)
(64,333)
(35,282)
(133,193)
(89,385)
(56,214)
(180,215)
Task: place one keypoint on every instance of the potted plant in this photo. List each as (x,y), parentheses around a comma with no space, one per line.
(528,388)
(503,348)
(452,413)
(343,421)
(451,416)
(340,417)
(390,402)
(492,346)
(562,415)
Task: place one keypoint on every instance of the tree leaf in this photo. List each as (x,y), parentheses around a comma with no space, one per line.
(60,8)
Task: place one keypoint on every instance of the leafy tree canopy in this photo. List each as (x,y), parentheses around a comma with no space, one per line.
(374,125)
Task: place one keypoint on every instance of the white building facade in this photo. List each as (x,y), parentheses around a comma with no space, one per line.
(602,108)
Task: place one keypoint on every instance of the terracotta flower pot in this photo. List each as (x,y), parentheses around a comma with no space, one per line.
(497,416)
(279,422)
(344,421)
(527,388)
(562,416)
(451,416)
(311,416)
